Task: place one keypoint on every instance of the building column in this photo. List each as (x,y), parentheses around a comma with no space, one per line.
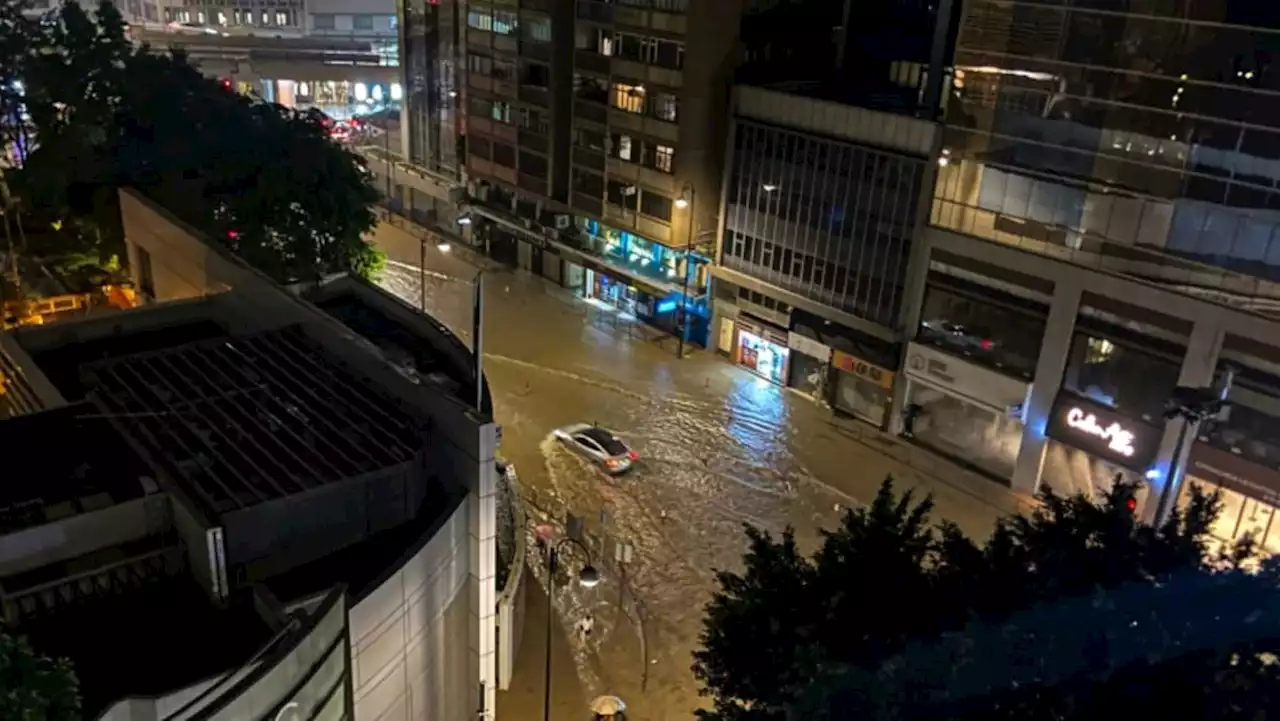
(1055,350)
(482,528)
(1199,366)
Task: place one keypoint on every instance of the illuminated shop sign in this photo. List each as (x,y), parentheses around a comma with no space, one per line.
(1117,437)
(1104,432)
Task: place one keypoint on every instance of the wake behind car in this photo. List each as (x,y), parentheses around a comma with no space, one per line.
(599,445)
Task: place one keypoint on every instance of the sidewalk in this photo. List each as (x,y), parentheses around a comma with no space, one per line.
(524,700)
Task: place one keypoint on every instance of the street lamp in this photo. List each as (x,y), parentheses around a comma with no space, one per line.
(685,201)
(1194,406)
(588,577)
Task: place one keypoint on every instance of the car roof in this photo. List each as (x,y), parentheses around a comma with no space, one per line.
(596,433)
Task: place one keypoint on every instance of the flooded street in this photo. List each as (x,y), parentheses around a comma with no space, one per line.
(718,447)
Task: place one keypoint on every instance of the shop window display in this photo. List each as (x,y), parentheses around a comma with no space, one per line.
(960,429)
(762,356)
(1068,470)
(1240,516)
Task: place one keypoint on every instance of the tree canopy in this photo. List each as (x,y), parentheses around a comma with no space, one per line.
(1074,610)
(101,114)
(34,687)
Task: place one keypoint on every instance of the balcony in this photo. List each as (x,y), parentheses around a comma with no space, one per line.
(668,23)
(589,159)
(594,112)
(535,50)
(647,74)
(536,95)
(504,132)
(505,88)
(506,43)
(596,11)
(533,184)
(592,62)
(533,141)
(588,204)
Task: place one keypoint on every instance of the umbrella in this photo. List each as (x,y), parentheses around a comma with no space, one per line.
(608,705)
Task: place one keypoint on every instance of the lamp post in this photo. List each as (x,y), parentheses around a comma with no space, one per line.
(588,577)
(685,202)
(1194,406)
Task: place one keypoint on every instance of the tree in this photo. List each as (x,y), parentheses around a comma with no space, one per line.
(1072,604)
(263,180)
(34,687)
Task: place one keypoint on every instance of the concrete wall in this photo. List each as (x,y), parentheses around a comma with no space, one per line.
(410,638)
(465,441)
(83,533)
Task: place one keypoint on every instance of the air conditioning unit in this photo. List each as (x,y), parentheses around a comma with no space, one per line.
(563,221)
(528,224)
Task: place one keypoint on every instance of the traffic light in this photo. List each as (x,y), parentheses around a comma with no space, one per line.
(227,84)
(1131,503)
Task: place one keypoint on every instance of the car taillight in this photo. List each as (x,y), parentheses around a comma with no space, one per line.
(633,455)
(986,344)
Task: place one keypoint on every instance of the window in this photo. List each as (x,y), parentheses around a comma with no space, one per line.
(671,6)
(589,139)
(393,22)
(663,158)
(361,22)
(504,155)
(479,64)
(536,74)
(480,107)
(628,97)
(593,39)
(620,146)
(532,119)
(480,146)
(623,195)
(537,29)
(664,106)
(505,23)
(588,88)
(480,20)
(501,111)
(533,164)
(668,54)
(658,206)
(587,183)
(635,48)
(282,18)
(504,70)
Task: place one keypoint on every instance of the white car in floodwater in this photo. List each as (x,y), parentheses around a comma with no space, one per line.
(598,444)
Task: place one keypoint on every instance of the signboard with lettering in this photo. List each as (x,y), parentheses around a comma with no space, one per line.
(808,346)
(984,386)
(862,369)
(1103,432)
(1228,470)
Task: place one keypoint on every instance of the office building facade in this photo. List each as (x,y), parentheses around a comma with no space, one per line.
(1101,231)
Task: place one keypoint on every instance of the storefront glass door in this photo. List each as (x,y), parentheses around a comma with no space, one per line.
(762,356)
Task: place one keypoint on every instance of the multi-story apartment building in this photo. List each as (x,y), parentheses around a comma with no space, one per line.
(1101,231)
(594,137)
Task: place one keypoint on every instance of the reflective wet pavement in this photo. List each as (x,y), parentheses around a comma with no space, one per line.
(718,447)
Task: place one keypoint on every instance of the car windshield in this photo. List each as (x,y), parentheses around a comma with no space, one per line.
(605,439)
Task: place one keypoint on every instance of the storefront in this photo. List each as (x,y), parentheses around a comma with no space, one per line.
(964,410)
(1091,444)
(1249,492)
(762,349)
(863,389)
(810,366)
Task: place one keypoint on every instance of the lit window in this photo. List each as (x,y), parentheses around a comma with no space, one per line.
(663,157)
(624,147)
(282,18)
(628,97)
(480,20)
(504,23)
(664,106)
(222,18)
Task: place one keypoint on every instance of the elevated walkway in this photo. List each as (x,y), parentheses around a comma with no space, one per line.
(369,59)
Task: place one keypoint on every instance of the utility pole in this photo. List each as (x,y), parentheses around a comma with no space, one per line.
(685,201)
(1193,406)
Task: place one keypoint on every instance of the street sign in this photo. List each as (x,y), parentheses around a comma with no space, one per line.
(624,552)
(575,527)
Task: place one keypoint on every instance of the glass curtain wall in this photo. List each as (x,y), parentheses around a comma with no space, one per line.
(828,220)
(1175,112)
(1003,335)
